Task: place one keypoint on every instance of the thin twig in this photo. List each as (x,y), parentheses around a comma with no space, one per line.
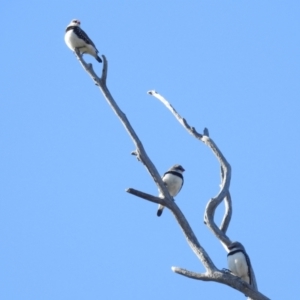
(228,213)
(228,208)
(224,193)
(148,197)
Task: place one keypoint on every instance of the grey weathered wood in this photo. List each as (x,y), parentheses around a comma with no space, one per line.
(212,273)
(143,157)
(213,203)
(225,175)
(225,278)
(148,197)
(228,213)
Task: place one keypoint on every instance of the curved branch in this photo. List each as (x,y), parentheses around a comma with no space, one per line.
(228,208)
(226,173)
(224,193)
(211,270)
(143,157)
(215,202)
(228,213)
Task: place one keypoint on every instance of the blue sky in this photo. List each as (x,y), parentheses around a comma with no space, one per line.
(68,229)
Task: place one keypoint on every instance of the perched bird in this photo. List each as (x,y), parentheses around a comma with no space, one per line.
(238,262)
(75,37)
(173,180)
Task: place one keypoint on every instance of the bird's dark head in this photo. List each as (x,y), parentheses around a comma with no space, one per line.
(74,22)
(177,168)
(236,245)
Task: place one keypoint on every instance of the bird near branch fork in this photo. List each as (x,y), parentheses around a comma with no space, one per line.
(76,38)
(173,180)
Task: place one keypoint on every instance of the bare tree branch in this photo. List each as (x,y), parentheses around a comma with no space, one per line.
(228,207)
(181,120)
(143,157)
(212,273)
(148,197)
(228,213)
(224,278)
(226,174)
(224,193)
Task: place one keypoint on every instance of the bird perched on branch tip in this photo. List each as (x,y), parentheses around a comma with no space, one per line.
(75,37)
(173,180)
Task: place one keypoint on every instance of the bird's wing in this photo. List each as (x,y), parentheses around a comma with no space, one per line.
(181,184)
(81,34)
(252,278)
(250,271)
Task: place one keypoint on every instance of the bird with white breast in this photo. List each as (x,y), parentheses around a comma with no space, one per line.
(76,38)
(173,180)
(239,262)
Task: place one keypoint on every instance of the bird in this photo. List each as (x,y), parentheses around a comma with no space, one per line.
(173,180)
(239,262)
(75,37)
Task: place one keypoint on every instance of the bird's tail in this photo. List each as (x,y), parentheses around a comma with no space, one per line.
(99,59)
(160,210)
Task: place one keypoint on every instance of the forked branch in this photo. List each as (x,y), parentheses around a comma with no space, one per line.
(213,203)
(219,232)
(212,273)
(143,157)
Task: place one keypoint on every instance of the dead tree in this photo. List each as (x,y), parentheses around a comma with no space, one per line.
(212,272)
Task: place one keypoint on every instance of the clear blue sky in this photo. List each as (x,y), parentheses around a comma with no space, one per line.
(68,229)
